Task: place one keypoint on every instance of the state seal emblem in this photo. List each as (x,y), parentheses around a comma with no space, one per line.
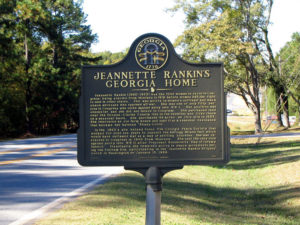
(151,53)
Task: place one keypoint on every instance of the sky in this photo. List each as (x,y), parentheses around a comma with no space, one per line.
(119,22)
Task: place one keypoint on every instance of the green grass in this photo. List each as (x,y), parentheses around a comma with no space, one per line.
(260,185)
(244,125)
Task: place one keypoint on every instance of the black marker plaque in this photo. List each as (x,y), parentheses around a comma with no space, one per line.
(153,109)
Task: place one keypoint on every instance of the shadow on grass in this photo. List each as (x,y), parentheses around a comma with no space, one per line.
(242,132)
(204,202)
(249,156)
(231,205)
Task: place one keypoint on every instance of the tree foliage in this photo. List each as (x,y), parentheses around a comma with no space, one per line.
(235,32)
(43,45)
(108,58)
(289,58)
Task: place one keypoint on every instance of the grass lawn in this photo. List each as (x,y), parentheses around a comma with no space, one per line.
(244,125)
(260,185)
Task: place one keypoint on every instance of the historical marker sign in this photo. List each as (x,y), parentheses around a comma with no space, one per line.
(153,109)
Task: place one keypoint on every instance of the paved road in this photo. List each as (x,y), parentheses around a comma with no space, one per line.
(268,135)
(36,173)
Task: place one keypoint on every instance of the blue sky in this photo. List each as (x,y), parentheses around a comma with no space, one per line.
(119,22)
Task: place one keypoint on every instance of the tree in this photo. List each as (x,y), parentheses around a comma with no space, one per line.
(28,45)
(68,39)
(289,59)
(108,58)
(43,45)
(236,32)
(11,91)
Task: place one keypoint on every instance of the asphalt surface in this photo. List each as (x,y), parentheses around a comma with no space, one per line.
(36,172)
(268,135)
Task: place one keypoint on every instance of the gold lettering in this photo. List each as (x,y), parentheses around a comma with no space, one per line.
(185,82)
(180,82)
(124,75)
(138,75)
(199,73)
(167,74)
(145,73)
(140,83)
(113,134)
(129,83)
(109,76)
(177,82)
(152,83)
(152,75)
(181,73)
(174,75)
(116,84)
(194,82)
(97,76)
(103,75)
(168,83)
(117,75)
(207,73)
(130,76)
(132,83)
(124,83)
(109,84)
(189,73)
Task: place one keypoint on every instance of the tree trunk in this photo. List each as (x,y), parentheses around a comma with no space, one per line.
(285,106)
(297,100)
(278,106)
(27,107)
(298,117)
(258,128)
(55,57)
(255,108)
(254,105)
(28,94)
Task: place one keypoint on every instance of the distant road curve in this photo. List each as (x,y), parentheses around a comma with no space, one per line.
(267,135)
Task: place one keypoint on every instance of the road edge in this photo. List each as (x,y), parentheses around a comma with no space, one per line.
(58,203)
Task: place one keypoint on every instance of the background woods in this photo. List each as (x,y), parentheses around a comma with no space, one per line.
(43,45)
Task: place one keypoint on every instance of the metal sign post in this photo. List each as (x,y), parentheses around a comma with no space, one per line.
(153,198)
(153,179)
(153,201)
